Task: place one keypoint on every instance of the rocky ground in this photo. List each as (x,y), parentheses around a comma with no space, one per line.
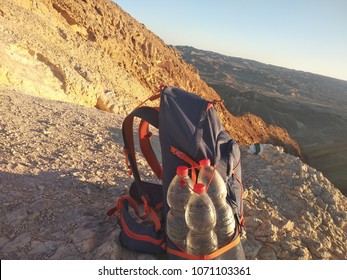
(291,210)
(62,168)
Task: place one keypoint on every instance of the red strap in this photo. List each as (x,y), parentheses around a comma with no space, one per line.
(161,88)
(211,256)
(209,106)
(139,236)
(148,211)
(152,214)
(132,203)
(112,211)
(147,150)
(188,160)
(210,181)
(237,165)
(128,137)
(158,207)
(184,157)
(125,227)
(126,154)
(151,115)
(153,97)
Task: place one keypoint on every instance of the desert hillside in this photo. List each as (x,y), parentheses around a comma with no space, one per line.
(61,158)
(311,107)
(95,54)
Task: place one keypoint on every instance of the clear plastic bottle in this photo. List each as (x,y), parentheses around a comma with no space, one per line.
(216,189)
(179,192)
(201,220)
(256,148)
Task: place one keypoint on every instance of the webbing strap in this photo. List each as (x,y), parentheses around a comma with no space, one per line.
(151,116)
(146,148)
(211,256)
(241,185)
(148,211)
(151,98)
(152,214)
(137,236)
(187,159)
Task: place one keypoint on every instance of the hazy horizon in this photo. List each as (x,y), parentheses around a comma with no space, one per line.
(306,36)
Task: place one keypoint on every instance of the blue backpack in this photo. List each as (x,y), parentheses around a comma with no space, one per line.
(189,130)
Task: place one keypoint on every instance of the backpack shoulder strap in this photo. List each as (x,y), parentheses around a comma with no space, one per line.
(148,115)
(145,144)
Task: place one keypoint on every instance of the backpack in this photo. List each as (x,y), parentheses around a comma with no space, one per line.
(189,130)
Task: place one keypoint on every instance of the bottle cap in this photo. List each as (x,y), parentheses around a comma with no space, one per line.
(205,162)
(199,188)
(182,170)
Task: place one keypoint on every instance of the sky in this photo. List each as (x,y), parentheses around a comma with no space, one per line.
(307,35)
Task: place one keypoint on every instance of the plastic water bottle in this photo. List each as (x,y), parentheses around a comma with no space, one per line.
(216,189)
(256,148)
(201,219)
(178,194)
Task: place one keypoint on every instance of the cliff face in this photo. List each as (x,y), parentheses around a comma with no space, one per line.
(77,51)
(46,53)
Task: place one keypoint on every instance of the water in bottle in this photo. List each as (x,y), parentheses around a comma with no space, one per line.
(179,192)
(225,224)
(201,220)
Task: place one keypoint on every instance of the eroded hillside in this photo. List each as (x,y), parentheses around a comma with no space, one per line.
(93,53)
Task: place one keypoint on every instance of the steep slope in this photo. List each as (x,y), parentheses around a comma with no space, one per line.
(44,52)
(62,168)
(311,107)
(93,53)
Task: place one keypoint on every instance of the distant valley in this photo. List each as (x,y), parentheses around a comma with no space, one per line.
(311,107)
